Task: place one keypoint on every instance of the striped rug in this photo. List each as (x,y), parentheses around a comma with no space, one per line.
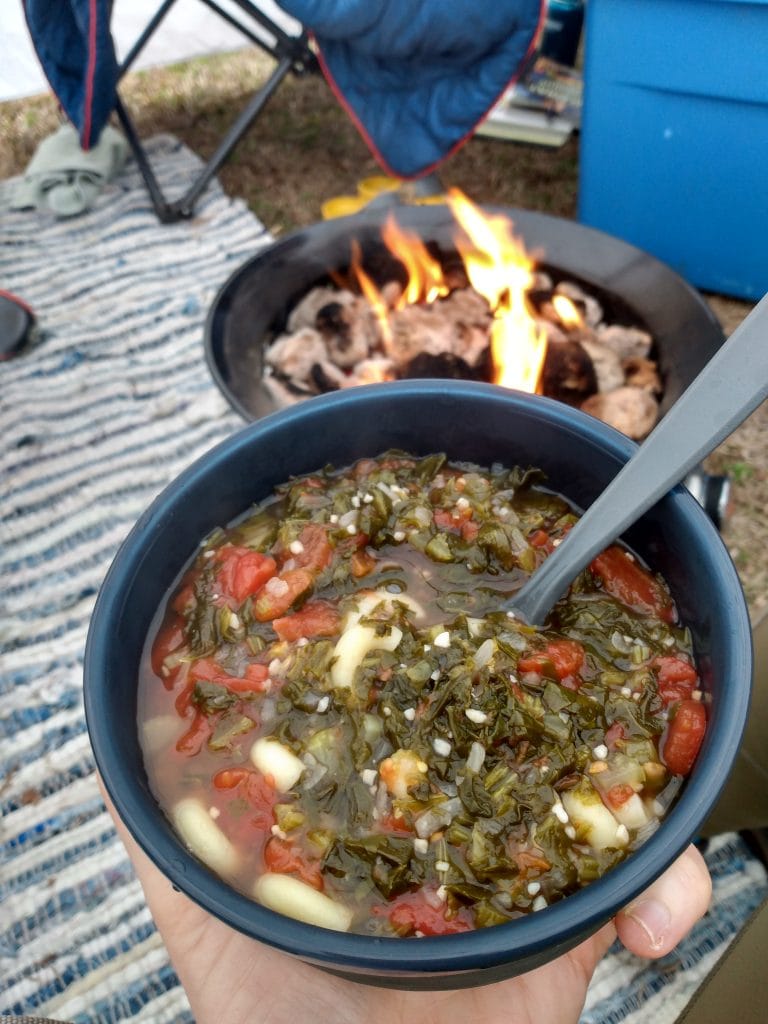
(113,400)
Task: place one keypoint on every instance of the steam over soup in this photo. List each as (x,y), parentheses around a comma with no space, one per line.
(338,720)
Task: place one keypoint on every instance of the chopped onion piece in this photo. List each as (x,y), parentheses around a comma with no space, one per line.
(476,757)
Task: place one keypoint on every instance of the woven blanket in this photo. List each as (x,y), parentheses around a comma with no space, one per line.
(114,400)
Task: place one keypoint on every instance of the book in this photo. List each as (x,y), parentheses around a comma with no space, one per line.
(542,108)
(518,124)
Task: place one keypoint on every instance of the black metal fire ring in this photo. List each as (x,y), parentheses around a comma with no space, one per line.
(253,304)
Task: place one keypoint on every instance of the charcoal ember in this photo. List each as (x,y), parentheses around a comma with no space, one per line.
(391,293)
(568,374)
(608,367)
(304,313)
(541,283)
(555,332)
(444,365)
(588,306)
(327,376)
(633,411)
(281,394)
(454,271)
(294,355)
(348,329)
(625,341)
(642,373)
(457,324)
(371,371)
(467,306)
(417,329)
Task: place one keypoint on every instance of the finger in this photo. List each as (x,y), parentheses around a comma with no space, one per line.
(658,919)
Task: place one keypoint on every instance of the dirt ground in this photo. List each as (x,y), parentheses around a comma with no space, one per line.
(304,150)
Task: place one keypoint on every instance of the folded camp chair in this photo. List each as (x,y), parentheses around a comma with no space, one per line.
(292,54)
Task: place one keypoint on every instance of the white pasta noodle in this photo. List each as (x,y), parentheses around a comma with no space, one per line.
(204,837)
(289,896)
(353,645)
(273,758)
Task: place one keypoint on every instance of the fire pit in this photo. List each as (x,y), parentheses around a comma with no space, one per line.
(635,292)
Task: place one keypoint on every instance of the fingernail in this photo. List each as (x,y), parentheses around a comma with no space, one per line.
(654,918)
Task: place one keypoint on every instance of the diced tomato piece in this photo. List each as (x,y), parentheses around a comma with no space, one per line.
(316,618)
(288,588)
(411,912)
(317,551)
(262,796)
(194,738)
(287,859)
(252,571)
(677,679)
(394,826)
(228,778)
(539,539)
(627,581)
(256,680)
(469,530)
(209,671)
(530,863)
(443,519)
(362,563)
(682,740)
(206,669)
(563,658)
(226,559)
(242,571)
(618,795)
(457,520)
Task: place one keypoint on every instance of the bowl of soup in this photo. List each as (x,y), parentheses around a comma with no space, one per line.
(336,739)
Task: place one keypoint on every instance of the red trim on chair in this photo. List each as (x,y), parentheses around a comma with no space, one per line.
(85,136)
(341,99)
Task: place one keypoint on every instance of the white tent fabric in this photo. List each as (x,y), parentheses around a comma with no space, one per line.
(190,30)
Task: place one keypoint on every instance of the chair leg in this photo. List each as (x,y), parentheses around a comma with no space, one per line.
(292,54)
(182,208)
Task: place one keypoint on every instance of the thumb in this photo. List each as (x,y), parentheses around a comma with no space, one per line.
(658,919)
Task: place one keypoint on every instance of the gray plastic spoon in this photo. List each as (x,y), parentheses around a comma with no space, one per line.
(731,386)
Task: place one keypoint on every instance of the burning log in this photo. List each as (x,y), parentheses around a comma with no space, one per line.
(633,411)
(568,373)
(642,373)
(626,342)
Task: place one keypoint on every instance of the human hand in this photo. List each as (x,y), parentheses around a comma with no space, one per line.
(230,977)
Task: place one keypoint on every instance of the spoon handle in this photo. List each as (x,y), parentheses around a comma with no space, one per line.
(731,386)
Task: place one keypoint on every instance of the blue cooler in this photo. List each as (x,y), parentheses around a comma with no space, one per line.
(674,135)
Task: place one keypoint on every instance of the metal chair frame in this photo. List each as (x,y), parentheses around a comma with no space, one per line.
(292,54)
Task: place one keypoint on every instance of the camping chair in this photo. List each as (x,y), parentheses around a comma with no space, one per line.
(292,54)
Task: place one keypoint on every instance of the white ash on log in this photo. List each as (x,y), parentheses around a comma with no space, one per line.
(633,411)
(457,325)
(642,373)
(626,342)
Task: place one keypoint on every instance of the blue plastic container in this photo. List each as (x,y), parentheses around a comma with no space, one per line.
(674,139)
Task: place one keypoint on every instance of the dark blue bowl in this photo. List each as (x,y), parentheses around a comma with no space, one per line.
(474,422)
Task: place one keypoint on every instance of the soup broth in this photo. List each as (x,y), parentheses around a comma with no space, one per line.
(338,720)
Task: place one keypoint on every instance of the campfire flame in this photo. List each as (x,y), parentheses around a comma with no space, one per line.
(567,312)
(498,268)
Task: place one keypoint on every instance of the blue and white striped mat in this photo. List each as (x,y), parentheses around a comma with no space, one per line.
(111,403)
